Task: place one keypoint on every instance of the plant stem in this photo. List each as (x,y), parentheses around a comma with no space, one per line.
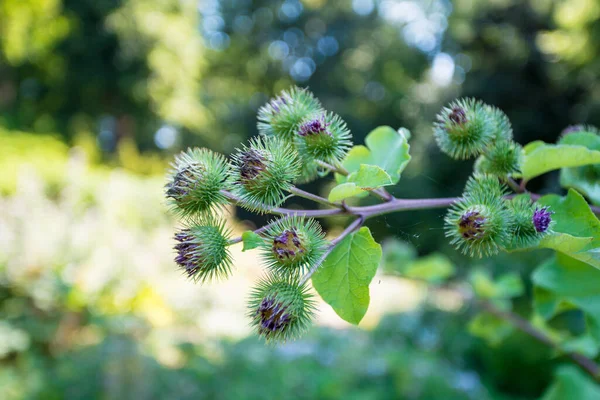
(339,169)
(317,199)
(366,212)
(401,205)
(514,185)
(525,326)
(522,186)
(357,223)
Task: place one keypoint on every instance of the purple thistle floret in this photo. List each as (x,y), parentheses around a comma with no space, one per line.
(273,316)
(471,225)
(187,258)
(458,115)
(313,127)
(542,219)
(278,102)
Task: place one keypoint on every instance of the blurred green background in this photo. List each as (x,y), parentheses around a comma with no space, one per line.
(96,96)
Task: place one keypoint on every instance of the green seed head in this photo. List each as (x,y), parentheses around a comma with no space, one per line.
(280,309)
(195,182)
(501,124)
(477,229)
(484,189)
(323,136)
(263,172)
(530,222)
(202,250)
(282,115)
(503,158)
(479,224)
(464,129)
(293,244)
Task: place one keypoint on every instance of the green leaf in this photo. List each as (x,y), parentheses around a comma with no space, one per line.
(505,287)
(584,344)
(343,279)
(584,179)
(565,243)
(582,138)
(578,224)
(490,328)
(571,383)
(251,240)
(386,148)
(546,304)
(343,191)
(539,158)
(356,156)
(367,178)
(370,177)
(435,267)
(389,149)
(564,282)
(576,178)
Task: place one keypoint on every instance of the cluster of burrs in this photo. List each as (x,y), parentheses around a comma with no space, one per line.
(297,138)
(298,142)
(486,219)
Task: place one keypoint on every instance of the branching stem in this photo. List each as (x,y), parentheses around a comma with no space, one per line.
(355,225)
(317,199)
(514,185)
(394,205)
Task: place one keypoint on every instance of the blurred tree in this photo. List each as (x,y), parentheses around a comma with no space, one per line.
(109,67)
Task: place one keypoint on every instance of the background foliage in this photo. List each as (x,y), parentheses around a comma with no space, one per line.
(90,306)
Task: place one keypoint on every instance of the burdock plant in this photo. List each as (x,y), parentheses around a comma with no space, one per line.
(280,308)
(196,181)
(202,249)
(292,245)
(300,141)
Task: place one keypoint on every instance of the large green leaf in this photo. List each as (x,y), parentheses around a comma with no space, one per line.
(563,282)
(585,179)
(386,148)
(343,279)
(571,383)
(367,178)
(539,158)
(578,224)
